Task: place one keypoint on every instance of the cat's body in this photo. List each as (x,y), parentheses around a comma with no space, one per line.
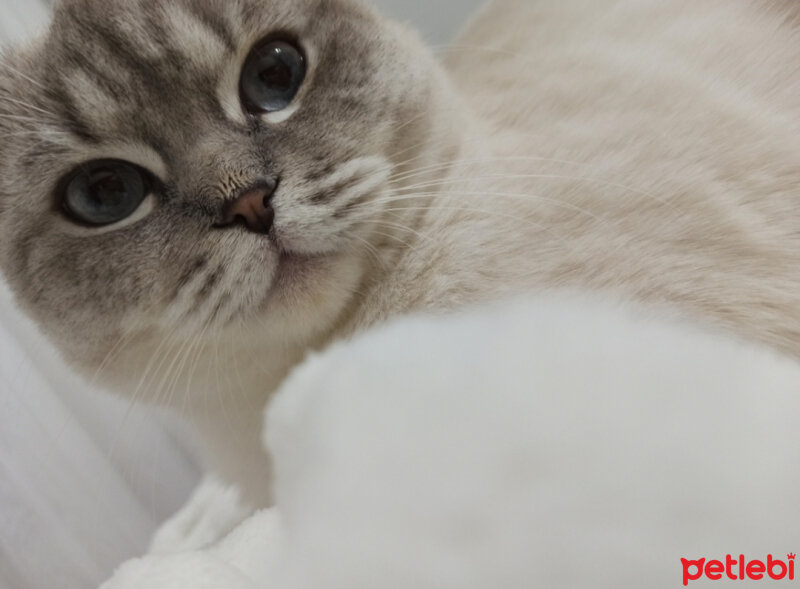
(649,148)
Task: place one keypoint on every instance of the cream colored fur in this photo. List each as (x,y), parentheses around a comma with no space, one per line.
(645,146)
(650,148)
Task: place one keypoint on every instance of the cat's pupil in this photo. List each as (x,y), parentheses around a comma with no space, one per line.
(107,189)
(278,77)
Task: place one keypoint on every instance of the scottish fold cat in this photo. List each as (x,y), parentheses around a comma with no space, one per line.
(196,193)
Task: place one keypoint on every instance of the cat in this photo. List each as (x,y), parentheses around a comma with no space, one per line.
(194,194)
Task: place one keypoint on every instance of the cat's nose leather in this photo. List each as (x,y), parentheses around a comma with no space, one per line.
(252,208)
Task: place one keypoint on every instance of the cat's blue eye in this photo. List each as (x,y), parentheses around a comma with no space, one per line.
(105,192)
(271,77)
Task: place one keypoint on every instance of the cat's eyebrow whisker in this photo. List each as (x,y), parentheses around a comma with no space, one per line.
(39,141)
(13,70)
(42,134)
(28,105)
(20,118)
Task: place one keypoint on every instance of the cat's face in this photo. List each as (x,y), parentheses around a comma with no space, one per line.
(172,167)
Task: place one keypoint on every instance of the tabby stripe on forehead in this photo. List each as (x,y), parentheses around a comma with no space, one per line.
(214,24)
(190,37)
(124,52)
(93,70)
(72,115)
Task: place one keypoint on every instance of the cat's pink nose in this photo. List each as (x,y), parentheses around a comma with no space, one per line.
(252,208)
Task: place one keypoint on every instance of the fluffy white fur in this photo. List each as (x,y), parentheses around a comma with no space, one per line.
(556,443)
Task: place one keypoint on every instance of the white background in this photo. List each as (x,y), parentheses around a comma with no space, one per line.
(85,478)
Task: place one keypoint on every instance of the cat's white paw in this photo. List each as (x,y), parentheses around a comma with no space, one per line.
(197,570)
(213,511)
(248,558)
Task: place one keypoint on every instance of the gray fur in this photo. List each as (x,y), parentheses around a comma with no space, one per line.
(117,74)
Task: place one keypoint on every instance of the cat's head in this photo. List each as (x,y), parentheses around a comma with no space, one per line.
(176,167)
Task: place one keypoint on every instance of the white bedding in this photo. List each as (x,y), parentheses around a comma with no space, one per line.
(555,443)
(84,479)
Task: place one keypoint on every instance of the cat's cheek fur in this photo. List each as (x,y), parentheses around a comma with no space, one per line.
(329,214)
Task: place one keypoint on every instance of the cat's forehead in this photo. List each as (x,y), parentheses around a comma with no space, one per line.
(150,18)
(157,25)
(140,66)
(165,36)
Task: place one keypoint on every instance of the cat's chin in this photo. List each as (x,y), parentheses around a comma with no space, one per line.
(300,277)
(294,267)
(308,294)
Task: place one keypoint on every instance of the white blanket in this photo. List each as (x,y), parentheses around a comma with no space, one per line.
(544,444)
